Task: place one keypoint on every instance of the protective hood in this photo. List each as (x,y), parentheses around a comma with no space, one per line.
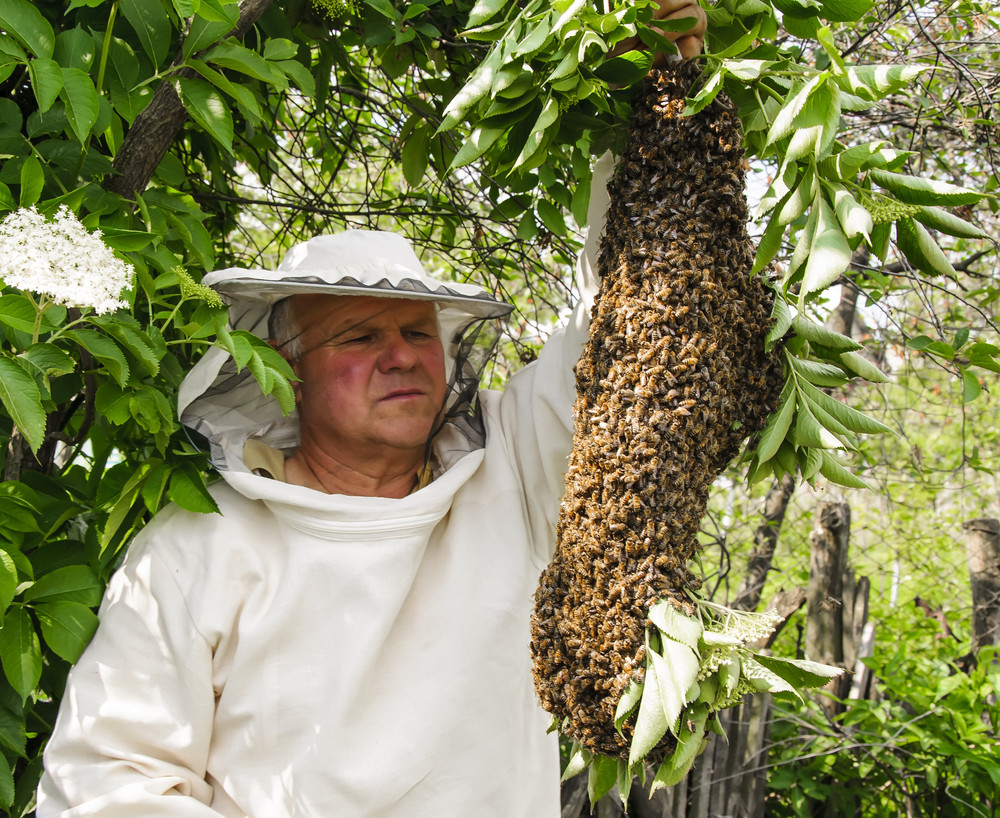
(227,407)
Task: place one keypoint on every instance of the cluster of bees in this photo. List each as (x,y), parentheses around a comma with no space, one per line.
(672,381)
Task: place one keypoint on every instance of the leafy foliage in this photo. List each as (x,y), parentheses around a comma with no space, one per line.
(298,117)
(926,745)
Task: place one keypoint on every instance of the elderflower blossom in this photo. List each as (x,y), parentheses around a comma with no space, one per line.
(192,289)
(61,260)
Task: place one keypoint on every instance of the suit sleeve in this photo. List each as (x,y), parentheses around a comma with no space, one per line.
(135,724)
(536,411)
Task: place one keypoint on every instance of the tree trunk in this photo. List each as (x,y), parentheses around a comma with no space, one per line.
(157,126)
(765,539)
(825,607)
(825,594)
(982,542)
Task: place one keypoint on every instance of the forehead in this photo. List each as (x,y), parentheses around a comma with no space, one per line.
(336,313)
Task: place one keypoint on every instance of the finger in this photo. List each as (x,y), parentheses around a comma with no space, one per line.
(668,7)
(697,29)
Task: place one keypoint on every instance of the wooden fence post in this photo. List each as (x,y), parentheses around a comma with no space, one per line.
(982,544)
(825,594)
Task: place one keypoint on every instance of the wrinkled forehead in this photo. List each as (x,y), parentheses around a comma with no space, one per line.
(331,314)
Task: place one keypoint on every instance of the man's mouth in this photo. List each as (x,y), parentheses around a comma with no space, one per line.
(399,394)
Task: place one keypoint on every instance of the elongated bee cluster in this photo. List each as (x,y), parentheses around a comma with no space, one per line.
(672,381)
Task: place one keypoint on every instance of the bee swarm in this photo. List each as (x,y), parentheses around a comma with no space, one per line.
(672,381)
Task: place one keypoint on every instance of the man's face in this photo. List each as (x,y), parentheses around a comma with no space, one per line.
(372,372)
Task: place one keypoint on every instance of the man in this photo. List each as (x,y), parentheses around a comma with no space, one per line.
(349,637)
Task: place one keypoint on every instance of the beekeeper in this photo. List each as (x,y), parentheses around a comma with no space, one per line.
(349,637)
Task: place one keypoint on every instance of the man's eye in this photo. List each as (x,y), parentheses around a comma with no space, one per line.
(357,339)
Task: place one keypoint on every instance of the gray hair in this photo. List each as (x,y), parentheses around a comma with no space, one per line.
(283,327)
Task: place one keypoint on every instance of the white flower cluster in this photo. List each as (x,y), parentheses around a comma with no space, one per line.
(62,260)
(748,626)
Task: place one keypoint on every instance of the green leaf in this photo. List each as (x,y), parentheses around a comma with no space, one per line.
(133,339)
(819,334)
(8,580)
(32,181)
(298,74)
(769,244)
(226,12)
(12,727)
(809,432)
(816,124)
(483,11)
(830,255)
(799,199)
(625,70)
(851,418)
(834,471)
(813,463)
(154,485)
(46,81)
(237,345)
(675,624)
(803,245)
(207,107)
(689,745)
(931,192)
(416,155)
(118,238)
(971,388)
(479,141)
(945,222)
(845,11)
(921,250)
(185,8)
(847,163)
(121,507)
(25,23)
(853,217)
(104,350)
(577,763)
(67,627)
(676,672)
(800,672)
(818,372)
(874,82)
(20,652)
(776,430)
(861,366)
(280,48)
(536,139)
(651,721)
(551,217)
(239,58)
(113,403)
(18,312)
(477,86)
(784,121)
(603,775)
(20,397)
(627,703)
(82,106)
(48,359)
(7,788)
(188,489)
(152,26)
(782,317)
(71,583)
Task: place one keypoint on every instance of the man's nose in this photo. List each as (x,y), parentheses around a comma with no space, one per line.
(397,353)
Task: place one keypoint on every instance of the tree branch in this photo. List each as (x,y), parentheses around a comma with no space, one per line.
(157,126)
